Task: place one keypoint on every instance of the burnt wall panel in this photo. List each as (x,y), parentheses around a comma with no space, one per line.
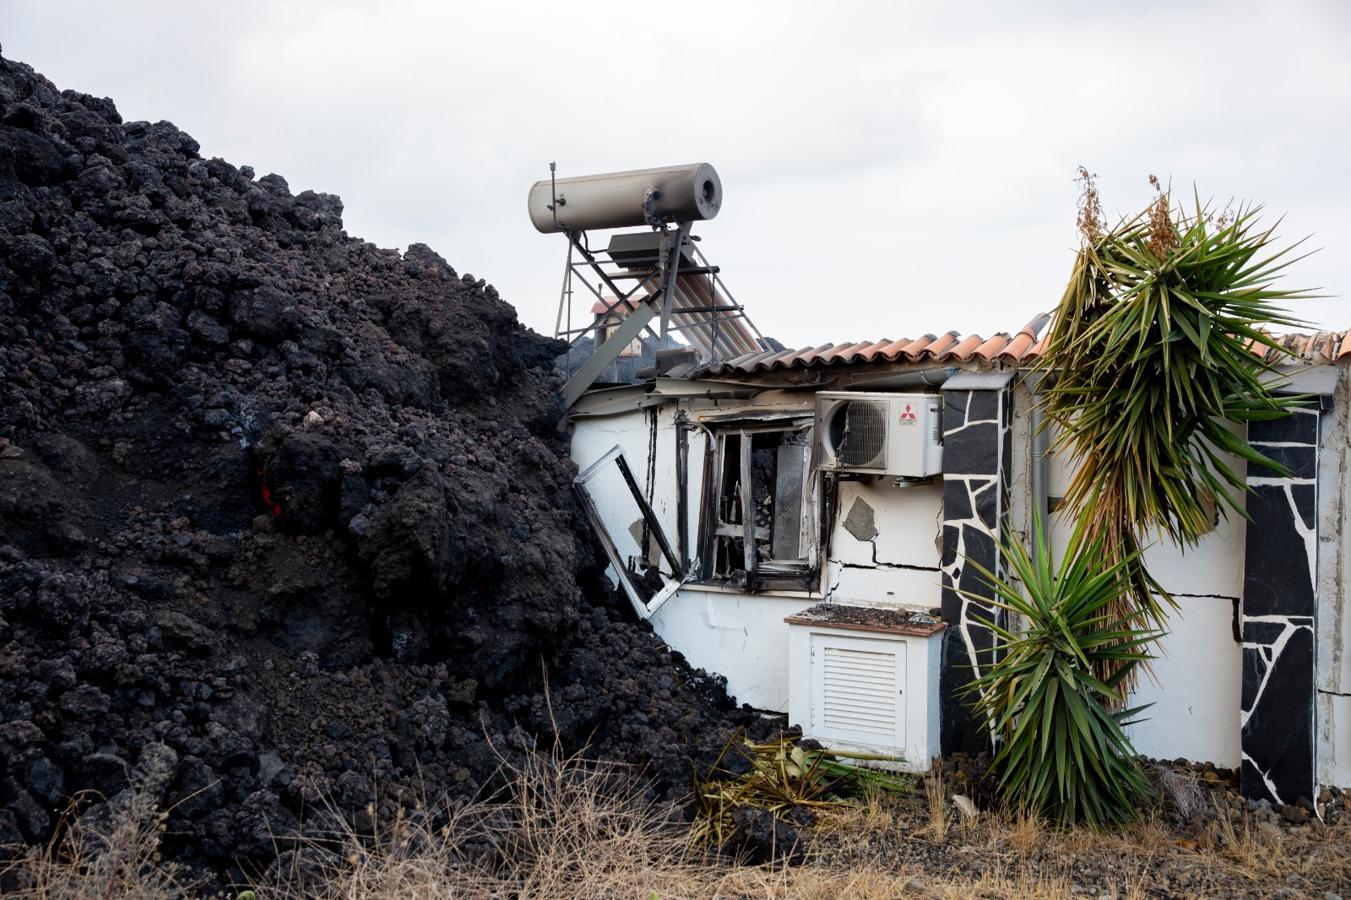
(976,454)
(1279,605)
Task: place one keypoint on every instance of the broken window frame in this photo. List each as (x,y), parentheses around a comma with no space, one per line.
(783,574)
(645,608)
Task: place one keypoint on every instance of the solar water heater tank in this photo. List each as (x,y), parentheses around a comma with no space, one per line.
(688,193)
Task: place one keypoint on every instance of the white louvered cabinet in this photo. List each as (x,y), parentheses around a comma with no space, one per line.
(869,689)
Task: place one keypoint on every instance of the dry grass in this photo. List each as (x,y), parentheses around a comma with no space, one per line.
(875,813)
(110,854)
(572,828)
(1179,787)
(936,793)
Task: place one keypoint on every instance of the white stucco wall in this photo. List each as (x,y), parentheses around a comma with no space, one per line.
(1196,683)
(898,566)
(740,636)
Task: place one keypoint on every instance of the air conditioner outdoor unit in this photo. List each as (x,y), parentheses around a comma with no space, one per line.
(866,679)
(879,434)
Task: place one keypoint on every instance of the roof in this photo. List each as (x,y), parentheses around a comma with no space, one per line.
(953,347)
(948,347)
(1316,348)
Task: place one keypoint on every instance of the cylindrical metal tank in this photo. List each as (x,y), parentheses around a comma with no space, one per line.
(615,200)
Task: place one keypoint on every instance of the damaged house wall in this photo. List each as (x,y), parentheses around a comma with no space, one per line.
(883,546)
(880,545)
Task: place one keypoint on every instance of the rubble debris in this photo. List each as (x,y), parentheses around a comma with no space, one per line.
(283,515)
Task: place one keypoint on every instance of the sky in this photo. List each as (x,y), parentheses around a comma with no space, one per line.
(889,169)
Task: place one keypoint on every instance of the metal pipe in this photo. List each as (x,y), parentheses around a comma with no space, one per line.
(931,377)
(1040,450)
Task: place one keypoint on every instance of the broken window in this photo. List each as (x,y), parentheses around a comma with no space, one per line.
(639,553)
(759,524)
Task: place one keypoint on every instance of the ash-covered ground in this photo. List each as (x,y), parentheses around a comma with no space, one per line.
(284,517)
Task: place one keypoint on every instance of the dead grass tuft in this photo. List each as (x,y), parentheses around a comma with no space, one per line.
(936,792)
(1179,787)
(1257,847)
(110,853)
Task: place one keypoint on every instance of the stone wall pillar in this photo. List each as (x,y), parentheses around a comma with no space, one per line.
(1278,613)
(977,457)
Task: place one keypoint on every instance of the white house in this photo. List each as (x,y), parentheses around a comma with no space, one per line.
(770,530)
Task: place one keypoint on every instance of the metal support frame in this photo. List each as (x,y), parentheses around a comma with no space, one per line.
(675,283)
(607,353)
(637,320)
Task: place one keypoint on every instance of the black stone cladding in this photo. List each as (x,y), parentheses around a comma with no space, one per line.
(1278,613)
(976,451)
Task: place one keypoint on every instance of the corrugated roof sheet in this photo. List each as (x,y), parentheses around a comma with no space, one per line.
(953,347)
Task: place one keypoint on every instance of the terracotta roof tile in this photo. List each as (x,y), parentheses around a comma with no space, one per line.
(964,348)
(952,347)
(992,347)
(1017,348)
(891,349)
(936,348)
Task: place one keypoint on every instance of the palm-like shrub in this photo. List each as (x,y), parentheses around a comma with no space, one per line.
(1062,749)
(1152,362)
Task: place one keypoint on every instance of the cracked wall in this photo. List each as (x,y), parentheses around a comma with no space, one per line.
(1194,688)
(883,545)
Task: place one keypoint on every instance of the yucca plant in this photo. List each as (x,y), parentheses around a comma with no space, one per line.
(1062,750)
(1151,350)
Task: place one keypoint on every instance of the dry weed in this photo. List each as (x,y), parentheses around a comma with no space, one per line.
(567,827)
(875,813)
(1179,787)
(1256,848)
(110,853)
(1024,832)
(936,792)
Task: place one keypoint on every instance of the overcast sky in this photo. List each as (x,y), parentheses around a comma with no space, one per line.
(889,169)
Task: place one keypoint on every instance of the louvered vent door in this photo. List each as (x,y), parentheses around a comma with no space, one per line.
(858,690)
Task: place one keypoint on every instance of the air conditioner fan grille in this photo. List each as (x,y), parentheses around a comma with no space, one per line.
(859,433)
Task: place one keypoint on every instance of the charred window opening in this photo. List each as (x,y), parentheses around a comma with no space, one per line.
(759,509)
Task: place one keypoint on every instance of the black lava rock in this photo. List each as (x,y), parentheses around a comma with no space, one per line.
(284,522)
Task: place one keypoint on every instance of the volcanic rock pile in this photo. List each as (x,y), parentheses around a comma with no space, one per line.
(284,519)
